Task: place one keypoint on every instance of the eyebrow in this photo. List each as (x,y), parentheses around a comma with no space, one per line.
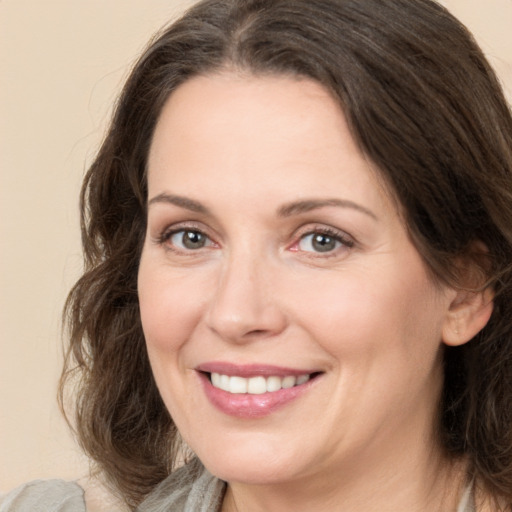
(307,205)
(181,201)
(287,210)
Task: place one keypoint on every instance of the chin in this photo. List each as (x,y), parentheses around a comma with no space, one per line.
(254,463)
(249,473)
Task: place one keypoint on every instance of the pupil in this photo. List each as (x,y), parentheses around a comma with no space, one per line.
(323,243)
(193,240)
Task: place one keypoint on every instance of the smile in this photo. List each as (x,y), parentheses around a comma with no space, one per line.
(256,385)
(254,391)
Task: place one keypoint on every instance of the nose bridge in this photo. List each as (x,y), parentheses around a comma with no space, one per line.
(244,305)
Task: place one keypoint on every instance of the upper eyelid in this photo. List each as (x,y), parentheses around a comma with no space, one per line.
(326,229)
(172,231)
(341,237)
(162,235)
(191,225)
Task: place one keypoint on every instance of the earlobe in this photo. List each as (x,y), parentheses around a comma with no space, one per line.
(468,314)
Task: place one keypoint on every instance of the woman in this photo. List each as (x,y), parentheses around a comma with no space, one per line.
(298,249)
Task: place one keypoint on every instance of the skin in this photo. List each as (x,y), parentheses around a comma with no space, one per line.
(365,314)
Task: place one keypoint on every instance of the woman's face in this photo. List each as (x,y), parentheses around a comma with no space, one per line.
(277,266)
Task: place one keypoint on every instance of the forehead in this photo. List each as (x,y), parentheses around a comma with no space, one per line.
(263,109)
(257,134)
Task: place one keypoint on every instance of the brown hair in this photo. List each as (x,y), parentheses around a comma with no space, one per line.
(422,103)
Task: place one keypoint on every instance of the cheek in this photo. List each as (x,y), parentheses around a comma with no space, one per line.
(170,306)
(384,338)
(389,312)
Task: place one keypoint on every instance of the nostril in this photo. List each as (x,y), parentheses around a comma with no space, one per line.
(256,332)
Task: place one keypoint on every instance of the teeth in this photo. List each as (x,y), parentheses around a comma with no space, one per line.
(256,385)
(216,380)
(302,379)
(289,382)
(224,382)
(273,384)
(237,385)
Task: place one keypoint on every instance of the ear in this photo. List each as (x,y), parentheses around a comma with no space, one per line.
(467,315)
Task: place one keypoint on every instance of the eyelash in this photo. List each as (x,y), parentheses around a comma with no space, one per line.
(166,235)
(345,241)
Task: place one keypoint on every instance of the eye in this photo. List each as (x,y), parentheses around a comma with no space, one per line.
(188,239)
(321,241)
(318,242)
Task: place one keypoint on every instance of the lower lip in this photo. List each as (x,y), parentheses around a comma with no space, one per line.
(245,405)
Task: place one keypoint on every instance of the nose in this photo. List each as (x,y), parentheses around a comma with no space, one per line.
(245,304)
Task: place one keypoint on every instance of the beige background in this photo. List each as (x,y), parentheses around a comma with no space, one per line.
(61,64)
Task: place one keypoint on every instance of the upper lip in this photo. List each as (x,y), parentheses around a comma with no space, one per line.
(250,370)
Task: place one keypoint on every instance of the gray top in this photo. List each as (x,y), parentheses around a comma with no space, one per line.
(45,496)
(183,491)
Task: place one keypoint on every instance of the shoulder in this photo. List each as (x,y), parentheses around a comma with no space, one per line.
(45,496)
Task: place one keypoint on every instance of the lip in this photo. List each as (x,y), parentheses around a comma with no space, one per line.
(246,405)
